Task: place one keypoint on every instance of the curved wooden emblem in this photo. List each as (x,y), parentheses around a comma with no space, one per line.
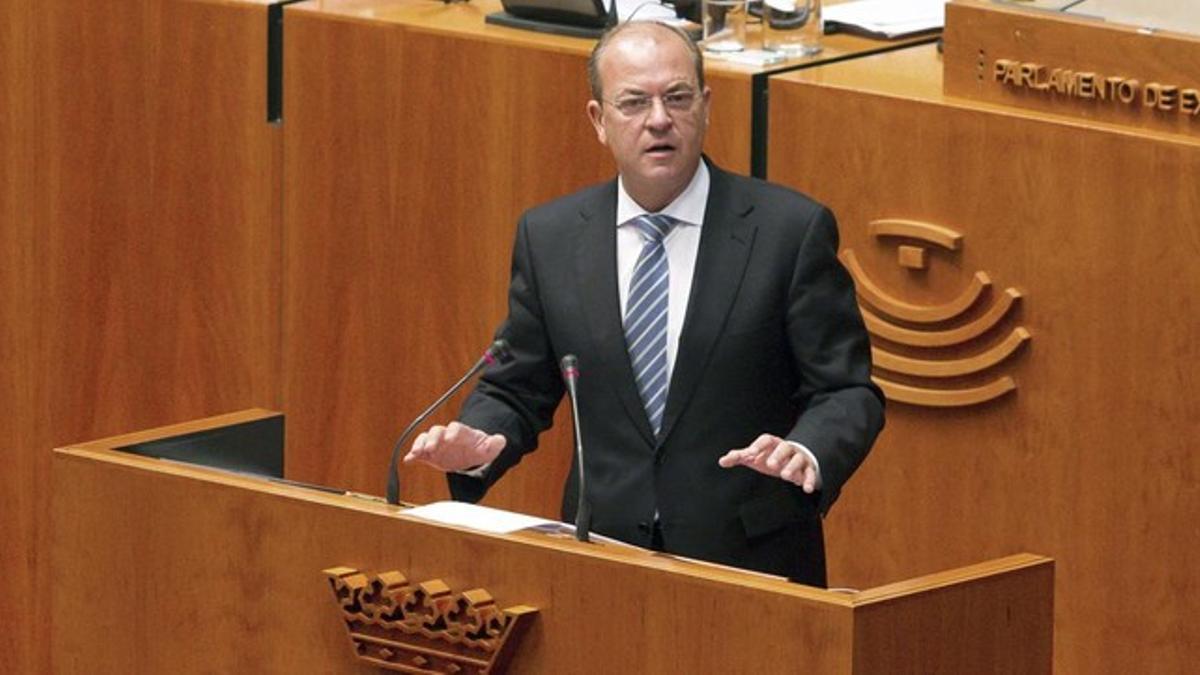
(934,338)
(932,327)
(952,368)
(889,304)
(425,628)
(945,398)
(945,237)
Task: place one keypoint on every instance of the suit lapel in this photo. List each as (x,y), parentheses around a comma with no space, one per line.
(725,243)
(596,260)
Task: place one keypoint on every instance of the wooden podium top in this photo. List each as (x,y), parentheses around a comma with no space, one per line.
(158,564)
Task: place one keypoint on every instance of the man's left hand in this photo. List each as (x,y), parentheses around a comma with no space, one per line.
(777,457)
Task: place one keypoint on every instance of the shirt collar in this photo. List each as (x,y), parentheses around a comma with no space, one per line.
(687,208)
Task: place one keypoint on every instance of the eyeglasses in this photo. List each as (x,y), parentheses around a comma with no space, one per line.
(635,106)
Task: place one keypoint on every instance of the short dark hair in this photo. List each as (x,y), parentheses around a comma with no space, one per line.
(593,65)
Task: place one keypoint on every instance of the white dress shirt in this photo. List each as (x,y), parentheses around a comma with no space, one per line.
(682,244)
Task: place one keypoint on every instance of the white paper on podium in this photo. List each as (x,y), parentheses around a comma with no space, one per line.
(476,517)
(497,521)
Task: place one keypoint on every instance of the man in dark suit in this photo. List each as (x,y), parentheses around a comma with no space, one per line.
(726,393)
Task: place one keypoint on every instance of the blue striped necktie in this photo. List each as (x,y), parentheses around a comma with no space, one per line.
(646,316)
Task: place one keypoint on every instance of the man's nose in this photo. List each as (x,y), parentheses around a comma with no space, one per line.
(658,117)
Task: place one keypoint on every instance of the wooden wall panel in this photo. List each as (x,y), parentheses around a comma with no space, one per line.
(729,126)
(160,183)
(140,245)
(1092,460)
(17,515)
(401,206)
(978,35)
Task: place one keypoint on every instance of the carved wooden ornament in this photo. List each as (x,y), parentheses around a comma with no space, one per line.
(425,628)
(932,327)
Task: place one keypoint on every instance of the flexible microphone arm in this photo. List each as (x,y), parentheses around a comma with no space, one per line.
(583,512)
(496,352)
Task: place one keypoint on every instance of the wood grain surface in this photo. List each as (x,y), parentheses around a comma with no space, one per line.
(139,238)
(1092,458)
(979,34)
(167,254)
(18,516)
(199,570)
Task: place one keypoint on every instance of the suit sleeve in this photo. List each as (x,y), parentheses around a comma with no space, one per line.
(843,408)
(516,399)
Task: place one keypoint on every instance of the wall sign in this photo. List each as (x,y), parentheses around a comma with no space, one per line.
(1103,89)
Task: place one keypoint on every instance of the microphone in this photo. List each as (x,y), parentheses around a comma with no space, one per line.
(496,352)
(583,512)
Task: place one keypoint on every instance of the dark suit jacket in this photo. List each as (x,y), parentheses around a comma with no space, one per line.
(772,342)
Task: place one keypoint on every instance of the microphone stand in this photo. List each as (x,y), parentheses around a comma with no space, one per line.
(496,352)
(583,511)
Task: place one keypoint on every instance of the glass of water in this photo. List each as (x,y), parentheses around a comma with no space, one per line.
(793,27)
(724,25)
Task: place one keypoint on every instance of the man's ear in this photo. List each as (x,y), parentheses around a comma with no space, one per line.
(595,112)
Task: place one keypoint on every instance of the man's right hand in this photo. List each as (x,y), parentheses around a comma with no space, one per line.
(455,447)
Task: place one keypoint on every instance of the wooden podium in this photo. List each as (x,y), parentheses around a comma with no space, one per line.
(159,565)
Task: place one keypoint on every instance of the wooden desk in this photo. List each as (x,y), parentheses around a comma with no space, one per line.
(737,136)
(1092,457)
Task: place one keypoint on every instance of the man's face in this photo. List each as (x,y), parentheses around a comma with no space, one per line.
(657,147)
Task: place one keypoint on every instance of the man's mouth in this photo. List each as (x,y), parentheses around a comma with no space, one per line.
(660,149)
